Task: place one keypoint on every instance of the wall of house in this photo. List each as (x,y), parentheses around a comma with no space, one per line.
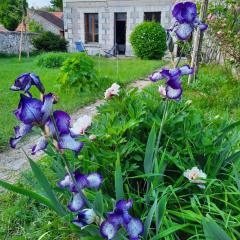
(74,19)
(48,26)
(10,41)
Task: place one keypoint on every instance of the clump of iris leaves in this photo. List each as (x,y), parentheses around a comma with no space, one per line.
(168,204)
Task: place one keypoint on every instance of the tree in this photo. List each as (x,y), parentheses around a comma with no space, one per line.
(12,12)
(57,4)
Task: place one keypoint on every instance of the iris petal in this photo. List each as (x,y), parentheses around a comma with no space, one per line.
(29,110)
(84,218)
(41,145)
(47,107)
(124,204)
(134,228)
(63,121)
(77,203)
(173,93)
(67,142)
(156,76)
(186,70)
(20,132)
(108,229)
(184,31)
(66,182)
(94,180)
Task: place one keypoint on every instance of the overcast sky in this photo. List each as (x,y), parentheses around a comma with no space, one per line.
(38,3)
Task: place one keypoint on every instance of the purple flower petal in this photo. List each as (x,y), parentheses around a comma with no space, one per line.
(176,84)
(94,180)
(47,107)
(173,93)
(156,76)
(185,12)
(66,182)
(189,12)
(186,70)
(202,26)
(41,145)
(25,81)
(77,203)
(184,31)
(36,81)
(108,229)
(67,142)
(20,132)
(174,73)
(29,110)
(84,218)
(81,181)
(124,205)
(63,121)
(134,228)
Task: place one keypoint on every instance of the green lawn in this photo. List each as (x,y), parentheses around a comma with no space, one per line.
(70,100)
(216,93)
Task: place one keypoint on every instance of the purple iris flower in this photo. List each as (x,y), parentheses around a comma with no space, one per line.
(31,112)
(187,19)
(121,217)
(92,180)
(25,81)
(85,217)
(173,84)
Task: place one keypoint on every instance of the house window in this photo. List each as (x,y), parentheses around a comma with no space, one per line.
(91,27)
(152,16)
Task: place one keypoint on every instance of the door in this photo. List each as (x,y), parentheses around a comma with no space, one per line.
(120,32)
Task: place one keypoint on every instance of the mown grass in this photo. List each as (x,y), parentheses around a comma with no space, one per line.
(216,93)
(70,100)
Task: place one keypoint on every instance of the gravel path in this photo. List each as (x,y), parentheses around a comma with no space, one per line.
(13,161)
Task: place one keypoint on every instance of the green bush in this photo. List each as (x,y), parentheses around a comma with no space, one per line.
(148,40)
(78,71)
(48,41)
(52,60)
(35,27)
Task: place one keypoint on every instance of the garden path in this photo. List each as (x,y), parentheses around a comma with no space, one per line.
(13,161)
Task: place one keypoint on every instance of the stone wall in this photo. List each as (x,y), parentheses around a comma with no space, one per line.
(10,41)
(74,11)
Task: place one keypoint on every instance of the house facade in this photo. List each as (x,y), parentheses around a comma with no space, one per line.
(102,24)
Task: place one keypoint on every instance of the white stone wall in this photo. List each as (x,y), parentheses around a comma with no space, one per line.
(10,42)
(74,11)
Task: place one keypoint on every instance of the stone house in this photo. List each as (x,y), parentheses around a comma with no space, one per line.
(102,24)
(50,21)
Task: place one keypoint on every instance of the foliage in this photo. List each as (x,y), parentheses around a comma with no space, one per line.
(148,40)
(224,20)
(12,13)
(57,4)
(52,59)
(78,71)
(48,41)
(35,27)
(70,99)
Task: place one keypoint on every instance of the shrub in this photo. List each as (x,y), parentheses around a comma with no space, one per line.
(78,71)
(48,41)
(52,60)
(148,40)
(35,27)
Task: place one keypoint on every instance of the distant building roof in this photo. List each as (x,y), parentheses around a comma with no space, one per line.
(51,18)
(58,14)
(2,28)
(21,27)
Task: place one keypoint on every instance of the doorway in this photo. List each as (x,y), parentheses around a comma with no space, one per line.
(120,32)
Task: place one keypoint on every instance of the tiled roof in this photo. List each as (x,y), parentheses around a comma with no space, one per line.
(58,14)
(2,28)
(51,18)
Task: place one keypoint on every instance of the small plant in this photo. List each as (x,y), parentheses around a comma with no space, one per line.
(48,41)
(78,71)
(148,40)
(52,60)
(35,27)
